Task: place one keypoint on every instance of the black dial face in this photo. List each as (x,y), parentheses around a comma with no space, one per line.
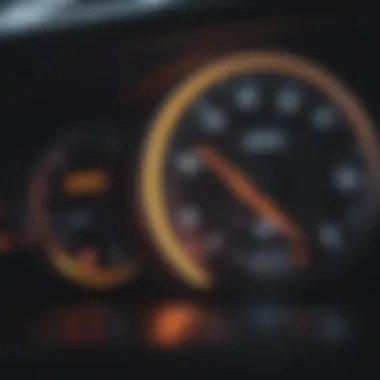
(266,175)
(297,149)
(79,208)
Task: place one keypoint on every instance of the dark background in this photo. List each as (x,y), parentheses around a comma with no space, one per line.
(113,72)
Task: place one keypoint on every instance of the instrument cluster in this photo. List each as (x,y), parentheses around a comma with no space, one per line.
(232,155)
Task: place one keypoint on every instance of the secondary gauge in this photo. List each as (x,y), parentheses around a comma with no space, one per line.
(261,165)
(78,208)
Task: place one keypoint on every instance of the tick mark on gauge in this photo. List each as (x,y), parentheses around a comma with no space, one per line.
(330,236)
(212,119)
(347,179)
(247,97)
(188,164)
(324,118)
(288,100)
(189,217)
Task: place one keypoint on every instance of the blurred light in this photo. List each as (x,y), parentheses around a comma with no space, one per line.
(32,11)
(155,2)
(86,182)
(173,325)
(21,17)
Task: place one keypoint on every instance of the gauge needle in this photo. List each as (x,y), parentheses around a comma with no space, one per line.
(247,192)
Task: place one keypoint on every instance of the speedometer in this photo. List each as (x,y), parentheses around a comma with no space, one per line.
(261,165)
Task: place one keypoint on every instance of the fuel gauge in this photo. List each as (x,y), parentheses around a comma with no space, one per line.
(78,208)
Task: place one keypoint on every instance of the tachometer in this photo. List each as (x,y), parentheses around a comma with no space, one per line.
(78,208)
(260,165)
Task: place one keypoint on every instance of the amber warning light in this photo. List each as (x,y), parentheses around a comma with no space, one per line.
(86,182)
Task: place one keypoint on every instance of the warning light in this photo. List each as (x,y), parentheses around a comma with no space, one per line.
(84,182)
(173,325)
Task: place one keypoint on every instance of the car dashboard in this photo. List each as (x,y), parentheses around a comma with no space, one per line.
(198,183)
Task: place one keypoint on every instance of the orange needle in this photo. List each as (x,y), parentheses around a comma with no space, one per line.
(246,192)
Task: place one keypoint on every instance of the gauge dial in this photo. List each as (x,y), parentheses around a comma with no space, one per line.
(262,166)
(77,208)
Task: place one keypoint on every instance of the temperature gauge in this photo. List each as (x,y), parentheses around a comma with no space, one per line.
(78,209)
